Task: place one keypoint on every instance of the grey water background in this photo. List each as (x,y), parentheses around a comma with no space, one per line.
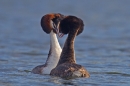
(103,48)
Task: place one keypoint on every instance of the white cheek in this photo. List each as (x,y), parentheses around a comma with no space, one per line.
(58,24)
(51,23)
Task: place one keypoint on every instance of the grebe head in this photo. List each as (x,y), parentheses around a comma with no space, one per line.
(71,23)
(51,21)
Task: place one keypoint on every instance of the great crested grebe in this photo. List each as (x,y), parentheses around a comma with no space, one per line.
(67,67)
(48,23)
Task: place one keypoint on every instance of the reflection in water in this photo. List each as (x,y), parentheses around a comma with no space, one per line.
(103,48)
(60,81)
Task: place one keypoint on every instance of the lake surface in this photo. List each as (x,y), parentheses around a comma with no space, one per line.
(103,48)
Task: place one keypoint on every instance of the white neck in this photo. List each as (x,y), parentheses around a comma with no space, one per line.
(54,41)
(55,51)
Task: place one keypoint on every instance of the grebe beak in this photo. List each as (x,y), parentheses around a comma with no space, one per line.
(60,34)
(56,28)
(56,23)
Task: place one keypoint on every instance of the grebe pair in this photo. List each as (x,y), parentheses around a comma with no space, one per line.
(66,67)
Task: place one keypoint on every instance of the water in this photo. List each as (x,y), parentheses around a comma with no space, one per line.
(103,48)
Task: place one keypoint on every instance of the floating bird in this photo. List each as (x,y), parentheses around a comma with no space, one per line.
(67,67)
(48,23)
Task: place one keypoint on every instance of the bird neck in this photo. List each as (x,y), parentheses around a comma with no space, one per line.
(54,43)
(68,53)
(55,50)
